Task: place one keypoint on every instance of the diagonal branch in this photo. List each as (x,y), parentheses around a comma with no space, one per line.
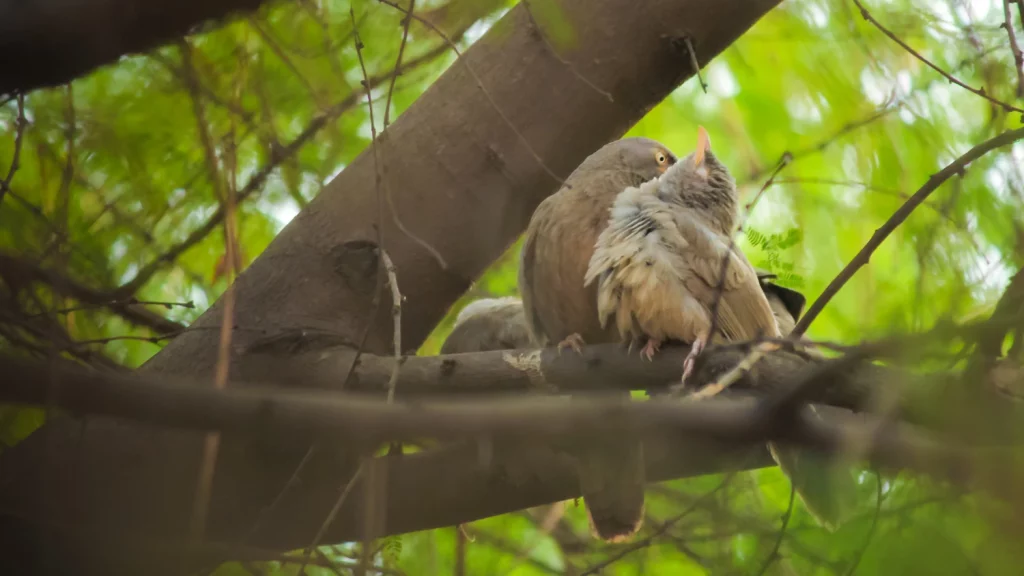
(954,168)
(979,91)
(19,133)
(16,271)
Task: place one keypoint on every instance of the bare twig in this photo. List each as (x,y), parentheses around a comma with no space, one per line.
(871,530)
(330,517)
(18,270)
(774,554)
(566,63)
(480,85)
(127,302)
(279,52)
(979,91)
(694,63)
(225,189)
(662,528)
(1018,57)
(396,314)
(19,134)
(954,168)
(733,375)
(398,62)
(255,183)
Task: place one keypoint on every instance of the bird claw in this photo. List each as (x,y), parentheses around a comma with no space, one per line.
(691,358)
(650,349)
(574,341)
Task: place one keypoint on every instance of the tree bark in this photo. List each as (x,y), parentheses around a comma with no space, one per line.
(461,176)
(49,42)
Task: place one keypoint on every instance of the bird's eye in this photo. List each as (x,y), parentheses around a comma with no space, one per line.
(661,158)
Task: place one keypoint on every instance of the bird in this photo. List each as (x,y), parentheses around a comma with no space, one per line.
(559,308)
(658,267)
(658,263)
(489,324)
(786,304)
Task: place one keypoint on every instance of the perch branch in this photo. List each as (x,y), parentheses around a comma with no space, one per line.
(956,167)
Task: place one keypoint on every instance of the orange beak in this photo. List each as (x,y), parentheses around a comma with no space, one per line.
(703,145)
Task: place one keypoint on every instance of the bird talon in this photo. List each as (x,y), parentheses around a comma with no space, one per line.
(691,358)
(574,341)
(650,349)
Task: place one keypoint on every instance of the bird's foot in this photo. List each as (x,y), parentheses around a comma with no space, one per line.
(691,358)
(650,349)
(574,341)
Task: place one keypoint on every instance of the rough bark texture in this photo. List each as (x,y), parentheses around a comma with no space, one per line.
(460,177)
(48,42)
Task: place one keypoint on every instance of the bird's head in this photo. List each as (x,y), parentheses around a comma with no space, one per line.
(624,163)
(702,183)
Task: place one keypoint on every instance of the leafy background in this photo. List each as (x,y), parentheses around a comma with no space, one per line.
(112,179)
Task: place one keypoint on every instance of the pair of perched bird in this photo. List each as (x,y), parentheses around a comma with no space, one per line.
(631,248)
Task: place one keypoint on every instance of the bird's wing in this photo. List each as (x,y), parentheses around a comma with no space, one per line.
(743,310)
(527,261)
(619,246)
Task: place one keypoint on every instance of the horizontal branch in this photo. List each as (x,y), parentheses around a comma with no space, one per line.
(598,367)
(177,403)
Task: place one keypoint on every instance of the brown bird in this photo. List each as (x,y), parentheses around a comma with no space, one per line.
(657,267)
(489,324)
(561,309)
(657,264)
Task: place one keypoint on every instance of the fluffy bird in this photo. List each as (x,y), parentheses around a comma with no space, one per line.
(657,264)
(560,309)
(488,324)
(657,268)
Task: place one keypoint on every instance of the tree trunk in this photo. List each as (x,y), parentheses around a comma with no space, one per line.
(464,179)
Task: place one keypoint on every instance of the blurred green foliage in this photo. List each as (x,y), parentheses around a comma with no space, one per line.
(112,177)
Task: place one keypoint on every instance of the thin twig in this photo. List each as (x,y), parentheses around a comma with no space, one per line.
(774,554)
(378,163)
(396,314)
(694,63)
(1018,57)
(733,375)
(19,135)
(255,183)
(480,85)
(979,91)
(871,530)
(956,167)
(127,302)
(330,517)
(279,52)
(662,528)
(566,63)
(224,186)
(398,62)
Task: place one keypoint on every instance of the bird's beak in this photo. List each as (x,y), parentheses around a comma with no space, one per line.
(703,145)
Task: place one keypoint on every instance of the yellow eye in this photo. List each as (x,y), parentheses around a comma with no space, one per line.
(661,158)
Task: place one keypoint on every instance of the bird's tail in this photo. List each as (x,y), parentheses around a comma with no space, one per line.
(612,481)
(827,488)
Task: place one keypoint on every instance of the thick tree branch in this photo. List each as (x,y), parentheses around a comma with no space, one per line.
(454,163)
(49,42)
(367,421)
